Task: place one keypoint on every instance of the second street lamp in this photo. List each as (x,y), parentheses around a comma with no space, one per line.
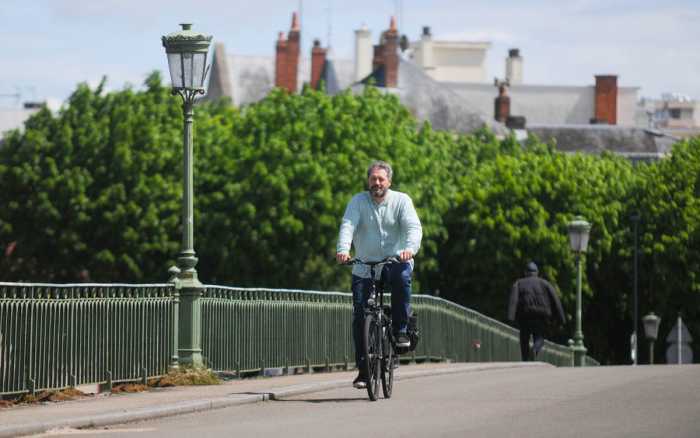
(578,238)
(651,330)
(187,60)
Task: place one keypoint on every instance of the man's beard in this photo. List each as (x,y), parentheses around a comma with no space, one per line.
(377,192)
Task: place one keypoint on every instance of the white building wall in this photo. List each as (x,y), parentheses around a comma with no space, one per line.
(14,118)
(548,105)
(553,105)
(457,74)
(447,61)
(479,97)
(627,102)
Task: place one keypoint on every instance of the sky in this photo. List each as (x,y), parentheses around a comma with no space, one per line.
(49,46)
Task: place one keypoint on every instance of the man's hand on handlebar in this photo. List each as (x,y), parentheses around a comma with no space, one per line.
(342,257)
(404,256)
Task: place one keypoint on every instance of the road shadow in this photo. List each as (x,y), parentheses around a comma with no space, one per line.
(271,397)
(321,400)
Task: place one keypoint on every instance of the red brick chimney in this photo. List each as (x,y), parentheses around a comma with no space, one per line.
(280,59)
(391,55)
(318,59)
(502,103)
(287,57)
(386,54)
(606,99)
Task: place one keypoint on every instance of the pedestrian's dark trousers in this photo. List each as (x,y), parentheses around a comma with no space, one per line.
(398,275)
(535,328)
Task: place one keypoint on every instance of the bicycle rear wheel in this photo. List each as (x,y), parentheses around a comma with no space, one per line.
(372,355)
(387,364)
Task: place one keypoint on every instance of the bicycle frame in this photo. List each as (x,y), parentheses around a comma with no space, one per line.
(379,361)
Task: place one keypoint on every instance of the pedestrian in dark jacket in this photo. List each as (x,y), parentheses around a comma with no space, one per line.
(532,303)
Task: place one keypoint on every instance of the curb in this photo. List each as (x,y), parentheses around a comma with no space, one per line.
(186,407)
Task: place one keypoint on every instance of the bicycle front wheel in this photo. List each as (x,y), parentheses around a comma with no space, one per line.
(387,365)
(372,353)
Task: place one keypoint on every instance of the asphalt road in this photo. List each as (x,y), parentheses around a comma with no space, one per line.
(639,402)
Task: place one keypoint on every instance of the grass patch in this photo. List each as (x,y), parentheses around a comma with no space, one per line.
(43,396)
(183,376)
(128,387)
(186,376)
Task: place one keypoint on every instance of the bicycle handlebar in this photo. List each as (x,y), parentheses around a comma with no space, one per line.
(388,260)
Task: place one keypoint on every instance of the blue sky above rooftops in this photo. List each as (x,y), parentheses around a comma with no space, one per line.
(51,45)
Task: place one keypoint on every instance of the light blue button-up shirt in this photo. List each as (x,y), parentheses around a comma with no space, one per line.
(379,230)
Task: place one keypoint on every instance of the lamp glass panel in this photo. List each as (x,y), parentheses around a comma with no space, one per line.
(198,66)
(575,240)
(584,241)
(187,66)
(175,65)
(651,327)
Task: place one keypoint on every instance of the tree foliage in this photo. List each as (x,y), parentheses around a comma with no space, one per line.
(273,188)
(515,207)
(96,190)
(94,193)
(668,200)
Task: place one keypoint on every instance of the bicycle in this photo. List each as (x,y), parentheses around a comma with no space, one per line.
(378,341)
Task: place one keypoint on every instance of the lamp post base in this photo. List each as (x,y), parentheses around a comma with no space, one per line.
(579,354)
(190,331)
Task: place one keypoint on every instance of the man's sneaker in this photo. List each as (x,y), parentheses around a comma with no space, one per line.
(402,340)
(360,381)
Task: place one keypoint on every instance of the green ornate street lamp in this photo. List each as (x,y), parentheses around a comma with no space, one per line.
(651,330)
(187,52)
(578,238)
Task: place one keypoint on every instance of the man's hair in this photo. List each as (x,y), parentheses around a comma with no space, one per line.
(382,165)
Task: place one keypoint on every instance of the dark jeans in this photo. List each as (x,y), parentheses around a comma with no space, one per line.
(535,328)
(399,277)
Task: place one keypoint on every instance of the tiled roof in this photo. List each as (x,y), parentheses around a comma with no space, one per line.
(430,100)
(248,79)
(628,141)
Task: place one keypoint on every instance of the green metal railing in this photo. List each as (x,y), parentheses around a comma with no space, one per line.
(253,329)
(55,336)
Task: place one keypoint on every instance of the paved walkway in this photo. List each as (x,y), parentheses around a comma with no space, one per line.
(106,409)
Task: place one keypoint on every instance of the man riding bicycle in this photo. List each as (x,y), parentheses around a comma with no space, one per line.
(380,223)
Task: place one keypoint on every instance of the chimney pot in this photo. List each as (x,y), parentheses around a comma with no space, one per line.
(295,22)
(287,58)
(392,24)
(514,67)
(502,103)
(606,99)
(318,61)
(390,55)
